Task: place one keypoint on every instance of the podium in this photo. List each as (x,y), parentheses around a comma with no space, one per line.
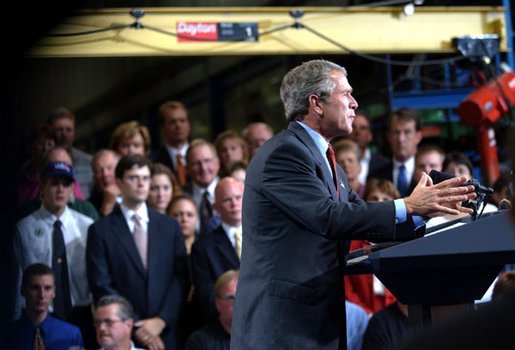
(452,267)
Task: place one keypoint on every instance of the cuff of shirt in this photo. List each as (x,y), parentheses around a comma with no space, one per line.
(400,211)
(401,215)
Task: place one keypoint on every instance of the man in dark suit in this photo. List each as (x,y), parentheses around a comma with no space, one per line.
(175,127)
(217,251)
(404,135)
(139,254)
(297,209)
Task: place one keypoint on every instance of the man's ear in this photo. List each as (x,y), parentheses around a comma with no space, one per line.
(314,104)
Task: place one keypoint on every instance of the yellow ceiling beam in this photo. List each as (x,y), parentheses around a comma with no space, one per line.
(366,30)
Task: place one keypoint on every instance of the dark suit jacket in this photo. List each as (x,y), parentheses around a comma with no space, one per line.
(162,156)
(114,267)
(377,162)
(289,293)
(211,256)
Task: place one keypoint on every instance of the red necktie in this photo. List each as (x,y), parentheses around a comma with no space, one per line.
(181,171)
(332,163)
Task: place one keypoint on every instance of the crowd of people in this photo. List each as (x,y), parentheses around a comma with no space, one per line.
(140,247)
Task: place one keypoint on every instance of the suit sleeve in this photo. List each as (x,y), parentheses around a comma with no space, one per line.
(175,293)
(203,280)
(97,265)
(294,184)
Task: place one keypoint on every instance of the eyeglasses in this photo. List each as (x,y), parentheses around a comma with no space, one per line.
(108,322)
(227,297)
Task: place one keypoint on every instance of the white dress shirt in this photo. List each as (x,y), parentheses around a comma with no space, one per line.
(33,244)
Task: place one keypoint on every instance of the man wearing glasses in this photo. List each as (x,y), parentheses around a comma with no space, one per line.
(217,335)
(114,323)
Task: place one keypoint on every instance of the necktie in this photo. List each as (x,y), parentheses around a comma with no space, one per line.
(37,342)
(237,242)
(181,170)
(140,238)
(332,163)
(62,300)
(402,181)
(206,211)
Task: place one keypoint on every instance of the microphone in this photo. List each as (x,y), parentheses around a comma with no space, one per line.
(438,176)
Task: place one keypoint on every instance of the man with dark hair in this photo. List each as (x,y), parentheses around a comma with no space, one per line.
(175,127)
(403,135)
(61,122)
(299,215)
(36,329)
(114,323)
(138,253)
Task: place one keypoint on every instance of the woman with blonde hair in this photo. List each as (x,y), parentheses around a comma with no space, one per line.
(130,138)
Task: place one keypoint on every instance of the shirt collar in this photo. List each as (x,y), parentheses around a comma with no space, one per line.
(142,212)
(49,218)
(319,140)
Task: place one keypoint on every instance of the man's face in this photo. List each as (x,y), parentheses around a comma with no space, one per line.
(176,126)
(404,139)
(135,185)
(224,303)
(39,293)
(112,331)
(228,197)
(64,131)
(361,133)
(56,193)
(257,135)
(427,162)
(103,170)
(338,110)
(203,165)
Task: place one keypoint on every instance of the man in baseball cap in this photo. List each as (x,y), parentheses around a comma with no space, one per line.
(56,235)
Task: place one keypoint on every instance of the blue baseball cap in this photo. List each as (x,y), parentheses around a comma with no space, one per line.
(54,169)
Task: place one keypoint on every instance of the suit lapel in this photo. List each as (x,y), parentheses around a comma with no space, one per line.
(124,235)
(320,160)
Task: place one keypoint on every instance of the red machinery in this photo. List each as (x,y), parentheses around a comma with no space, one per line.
(481,109)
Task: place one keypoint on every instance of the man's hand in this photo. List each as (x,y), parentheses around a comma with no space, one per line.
(110,194)
(430,200)
(148,331)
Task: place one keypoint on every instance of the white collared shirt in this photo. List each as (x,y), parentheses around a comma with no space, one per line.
(33,244)
(199,191)
(410,168)
(365,164)
(142,213)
